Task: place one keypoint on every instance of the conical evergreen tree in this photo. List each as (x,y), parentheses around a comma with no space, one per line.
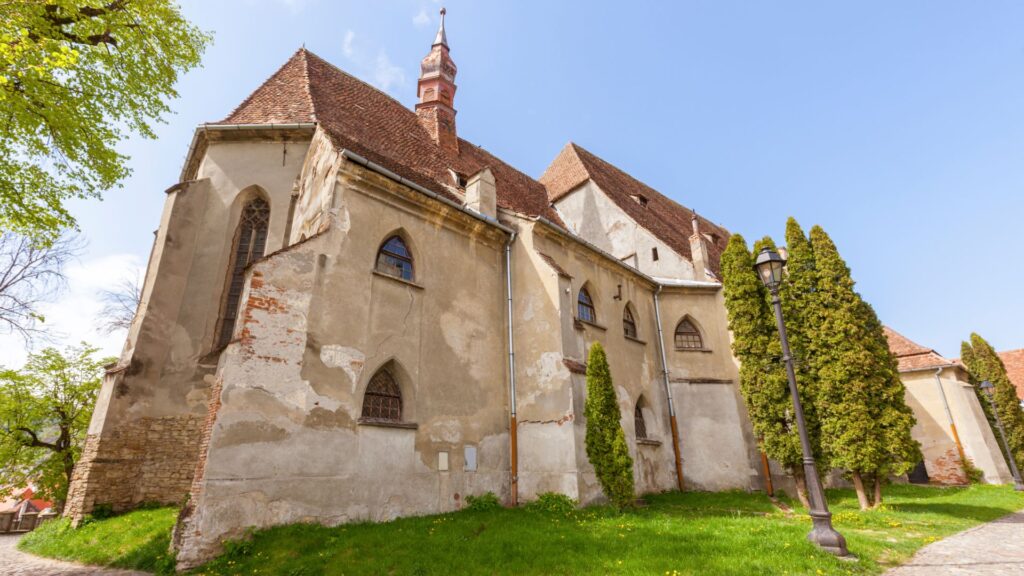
(857,398)
(756,345)
(984,364)
(606,442)
(803,319)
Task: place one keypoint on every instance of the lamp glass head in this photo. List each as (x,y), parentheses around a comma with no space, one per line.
(769,266)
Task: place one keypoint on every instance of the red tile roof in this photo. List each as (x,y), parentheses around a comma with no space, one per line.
(361,118)
(911,355)
(1014,362)
(662,216)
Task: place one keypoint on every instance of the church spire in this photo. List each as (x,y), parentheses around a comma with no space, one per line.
(436,88)
(441,38)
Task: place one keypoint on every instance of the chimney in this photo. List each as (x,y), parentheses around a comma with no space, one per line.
(698,251)
(436,87)
(481,194)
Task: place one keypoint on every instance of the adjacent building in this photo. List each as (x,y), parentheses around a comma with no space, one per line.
(951,425)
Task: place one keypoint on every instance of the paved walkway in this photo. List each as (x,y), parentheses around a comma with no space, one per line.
(993,549)
(15,563)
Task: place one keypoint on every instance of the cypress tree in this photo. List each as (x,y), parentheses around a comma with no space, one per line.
(984,364)
(859,397)
(756,345)
(803,319)
(605,441)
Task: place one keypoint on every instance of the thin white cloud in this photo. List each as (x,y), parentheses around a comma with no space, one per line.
(421,19)
(386,74)
(346,45)
(74,316)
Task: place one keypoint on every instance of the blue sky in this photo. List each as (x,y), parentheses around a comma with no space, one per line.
(898,126)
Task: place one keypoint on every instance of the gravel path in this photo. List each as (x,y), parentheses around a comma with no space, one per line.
(993,549)
(15,563)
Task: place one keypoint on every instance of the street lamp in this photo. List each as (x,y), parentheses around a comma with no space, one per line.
(769,266)
(989,389)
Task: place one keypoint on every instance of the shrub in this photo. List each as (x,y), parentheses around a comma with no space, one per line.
(973,473)
(553,503)
(487,501)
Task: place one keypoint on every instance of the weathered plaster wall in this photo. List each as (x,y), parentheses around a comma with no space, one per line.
(287,443)
(935,435)
(591,214)
(144,436)
(716,437)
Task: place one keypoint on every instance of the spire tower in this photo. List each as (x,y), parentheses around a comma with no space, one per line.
(436,88)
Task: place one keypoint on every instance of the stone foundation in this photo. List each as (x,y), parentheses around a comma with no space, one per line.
(144,460)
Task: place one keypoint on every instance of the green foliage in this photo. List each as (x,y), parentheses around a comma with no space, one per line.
(553,503)
(727,533)
(44,413)
(138,540)
(606,442)
(974,474)
(756,345)
(76,78)
(984,364)
(486,501)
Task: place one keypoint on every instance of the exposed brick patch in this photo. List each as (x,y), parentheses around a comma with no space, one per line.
(946,469)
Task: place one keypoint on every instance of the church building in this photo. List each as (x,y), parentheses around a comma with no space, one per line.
(351,313)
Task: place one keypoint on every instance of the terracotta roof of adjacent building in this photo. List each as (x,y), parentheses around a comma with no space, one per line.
(663,217)
(911,355)
(364,120)
(1014,362)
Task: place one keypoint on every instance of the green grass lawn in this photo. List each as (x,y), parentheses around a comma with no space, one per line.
(688,533)
(137,540)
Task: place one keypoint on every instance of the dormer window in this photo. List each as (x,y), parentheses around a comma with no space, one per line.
(458,179)
(640,199)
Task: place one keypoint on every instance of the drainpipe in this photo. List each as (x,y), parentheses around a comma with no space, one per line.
(512,426)
(949,415)
(668,392)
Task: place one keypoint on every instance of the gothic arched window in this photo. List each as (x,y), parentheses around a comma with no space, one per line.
(395,259)
(250,242)
(639,423)
(628,323)
(585,307)
(383,398)
(688,337)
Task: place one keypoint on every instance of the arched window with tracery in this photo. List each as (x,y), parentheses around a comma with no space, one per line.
(395,259)
(249,245)
(688,336)
(585,307)
(639,423)
(628,322)
(383,398)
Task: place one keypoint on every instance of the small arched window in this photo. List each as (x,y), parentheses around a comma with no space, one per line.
(639,423)
(688,337)
(383,398)
(585,307)
(628,323)
(250,243)
(395,259)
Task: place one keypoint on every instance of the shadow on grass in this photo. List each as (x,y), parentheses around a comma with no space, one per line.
(952,510)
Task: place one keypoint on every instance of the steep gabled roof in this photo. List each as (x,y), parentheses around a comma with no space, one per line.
(1014,362)
(663,217)
(364,120)
(911,355)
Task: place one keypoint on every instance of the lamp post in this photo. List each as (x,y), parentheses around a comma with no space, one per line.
(769,266)
(989,389)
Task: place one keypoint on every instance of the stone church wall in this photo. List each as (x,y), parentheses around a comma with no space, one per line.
(143,440)
(288,444)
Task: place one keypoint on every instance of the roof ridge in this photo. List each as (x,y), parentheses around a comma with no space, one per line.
(308,88)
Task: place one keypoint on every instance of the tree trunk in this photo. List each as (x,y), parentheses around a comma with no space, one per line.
(862,495)
(878,491)
(801,488)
